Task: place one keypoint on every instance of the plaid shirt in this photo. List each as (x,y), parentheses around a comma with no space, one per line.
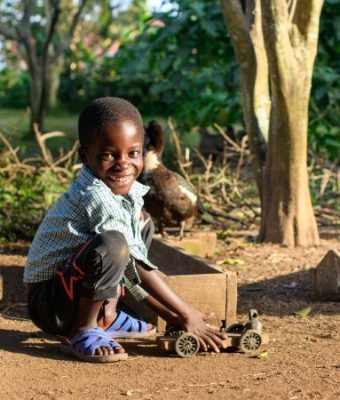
(87,209)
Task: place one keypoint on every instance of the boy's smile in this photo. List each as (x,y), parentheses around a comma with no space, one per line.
(115,156)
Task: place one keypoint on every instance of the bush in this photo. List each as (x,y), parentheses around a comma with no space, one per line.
(30,186)
(14,88)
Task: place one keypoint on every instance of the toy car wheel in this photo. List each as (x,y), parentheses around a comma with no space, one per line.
(187,345)
(235,328)
(250,341)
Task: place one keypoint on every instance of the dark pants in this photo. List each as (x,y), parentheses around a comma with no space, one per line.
(93,272)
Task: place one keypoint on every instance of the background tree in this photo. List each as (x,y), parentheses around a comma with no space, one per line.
(91,63)
(276,40)
(40,42)
(184,44)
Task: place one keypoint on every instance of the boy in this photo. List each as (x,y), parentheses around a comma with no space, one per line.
(90,245)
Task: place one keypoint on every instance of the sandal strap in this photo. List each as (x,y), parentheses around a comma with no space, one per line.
(125,323)
(87,341)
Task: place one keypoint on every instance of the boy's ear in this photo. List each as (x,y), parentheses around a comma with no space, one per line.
(82,155)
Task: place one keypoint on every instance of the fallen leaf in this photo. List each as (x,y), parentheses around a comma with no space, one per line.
(234,261)
(263,356)
(128,393)
(251,288)
(304,312)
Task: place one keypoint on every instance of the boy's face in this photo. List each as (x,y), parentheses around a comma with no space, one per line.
(115,156)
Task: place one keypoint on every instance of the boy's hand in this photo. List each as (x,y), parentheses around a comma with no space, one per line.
(210,338)
(177,312)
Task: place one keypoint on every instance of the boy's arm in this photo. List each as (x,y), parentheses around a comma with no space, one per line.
(170,306)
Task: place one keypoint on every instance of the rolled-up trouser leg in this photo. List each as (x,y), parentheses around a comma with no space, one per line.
(103,261)
(93,272)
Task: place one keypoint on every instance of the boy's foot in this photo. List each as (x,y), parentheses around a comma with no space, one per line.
(94,345)
(125,326)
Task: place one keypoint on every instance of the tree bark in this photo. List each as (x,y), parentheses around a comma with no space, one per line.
(287,213)
(247,40)
(36,98)
(53,82)
(285,34)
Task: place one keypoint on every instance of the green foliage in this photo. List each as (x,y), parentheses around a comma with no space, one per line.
(24,200)
(183,64)
(177,62)
(29,186)
(324,122)
(14,88)
(90,65)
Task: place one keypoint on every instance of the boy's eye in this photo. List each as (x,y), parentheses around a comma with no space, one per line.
(106,156)
(134,154)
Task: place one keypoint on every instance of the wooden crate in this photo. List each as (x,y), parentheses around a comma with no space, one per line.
(203,285)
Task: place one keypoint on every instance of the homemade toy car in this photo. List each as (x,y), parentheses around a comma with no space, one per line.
(246,338)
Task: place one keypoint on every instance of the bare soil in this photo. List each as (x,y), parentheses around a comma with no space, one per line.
(302,361)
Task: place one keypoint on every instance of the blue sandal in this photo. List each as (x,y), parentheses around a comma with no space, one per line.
(84,344)
(125,326)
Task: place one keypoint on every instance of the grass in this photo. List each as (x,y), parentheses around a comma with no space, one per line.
(15,126)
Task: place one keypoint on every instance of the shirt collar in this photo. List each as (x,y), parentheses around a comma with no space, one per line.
(87,178)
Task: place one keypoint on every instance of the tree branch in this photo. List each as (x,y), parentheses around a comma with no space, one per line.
(24,27)
(66,42)
(52,26)
(8,32)
(276,27)
(291,8)
(237,27)
(306,18)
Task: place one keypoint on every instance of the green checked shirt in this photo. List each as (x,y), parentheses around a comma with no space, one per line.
(88,208)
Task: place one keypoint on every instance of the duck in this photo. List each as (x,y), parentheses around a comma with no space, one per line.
(171,200)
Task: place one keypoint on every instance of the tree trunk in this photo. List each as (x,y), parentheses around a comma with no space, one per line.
(53,81)
(287,213)
(285,33)
(252,122)
(290,36)
(247,40)
(37,97)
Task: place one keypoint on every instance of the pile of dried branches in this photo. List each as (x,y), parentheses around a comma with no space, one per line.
(229,193)
(62,165)
(221,186)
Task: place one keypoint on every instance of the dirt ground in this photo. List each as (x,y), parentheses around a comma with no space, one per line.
(302,361)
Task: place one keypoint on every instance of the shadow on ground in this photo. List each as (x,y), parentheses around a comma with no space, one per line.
(283,295)
(39,344)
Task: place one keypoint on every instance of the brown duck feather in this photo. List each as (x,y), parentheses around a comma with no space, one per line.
(170,200)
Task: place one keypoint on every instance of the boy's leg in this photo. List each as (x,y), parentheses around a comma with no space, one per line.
(75,295)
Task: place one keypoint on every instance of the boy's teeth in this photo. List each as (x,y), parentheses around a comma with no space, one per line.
(118,179)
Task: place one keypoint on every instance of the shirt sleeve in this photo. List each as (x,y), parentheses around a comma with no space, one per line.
(131,281)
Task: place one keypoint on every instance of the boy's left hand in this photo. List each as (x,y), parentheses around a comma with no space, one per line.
(209,337)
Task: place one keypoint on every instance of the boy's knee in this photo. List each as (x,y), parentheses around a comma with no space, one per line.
(116,246)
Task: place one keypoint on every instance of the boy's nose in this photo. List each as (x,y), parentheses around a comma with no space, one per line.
(122,161)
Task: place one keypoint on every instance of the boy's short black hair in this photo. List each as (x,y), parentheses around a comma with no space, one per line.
(99,113)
